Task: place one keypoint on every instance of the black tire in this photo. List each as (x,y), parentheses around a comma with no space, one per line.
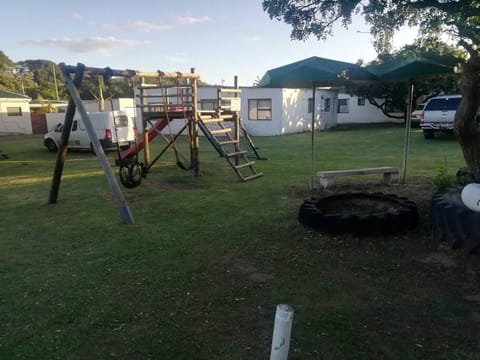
(453,222)
(51,146)
(428,134)
(131,174)
(355,213)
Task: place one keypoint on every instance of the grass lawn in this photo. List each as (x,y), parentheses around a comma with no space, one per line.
(199,274)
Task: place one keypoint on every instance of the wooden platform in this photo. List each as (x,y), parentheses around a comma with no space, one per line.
(390,174)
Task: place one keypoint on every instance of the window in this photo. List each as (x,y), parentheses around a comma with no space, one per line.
(343,106)
(14,111)
(310,105)
(326,104)
(439,104)
(121,121)
(361,101)
(259,109)
(75,125)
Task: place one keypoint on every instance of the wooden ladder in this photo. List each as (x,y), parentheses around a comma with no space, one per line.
(220,128)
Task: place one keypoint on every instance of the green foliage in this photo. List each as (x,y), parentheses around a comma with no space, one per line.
(317,17)
(464,176)
(443,180)
(389,96)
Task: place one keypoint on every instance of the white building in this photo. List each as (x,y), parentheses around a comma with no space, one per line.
(264,111)
(14,113)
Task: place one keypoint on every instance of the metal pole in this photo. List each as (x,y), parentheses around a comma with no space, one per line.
(117,193)
(407,131)
(312,150)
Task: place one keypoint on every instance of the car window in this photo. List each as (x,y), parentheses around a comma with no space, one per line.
(443,104)
(452,103)
(121,121)
(420,107)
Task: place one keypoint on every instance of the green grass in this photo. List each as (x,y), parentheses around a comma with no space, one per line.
(200,272)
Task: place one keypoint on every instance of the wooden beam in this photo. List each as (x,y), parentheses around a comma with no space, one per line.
(117,193)
(67,126)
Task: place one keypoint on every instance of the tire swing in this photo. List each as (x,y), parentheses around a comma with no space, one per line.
(131,171)
(359,213)
(131,174)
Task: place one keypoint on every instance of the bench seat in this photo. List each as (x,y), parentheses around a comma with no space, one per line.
(390,174)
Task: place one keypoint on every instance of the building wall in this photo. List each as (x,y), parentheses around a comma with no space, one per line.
(269,127)
(15,124)
(362,114)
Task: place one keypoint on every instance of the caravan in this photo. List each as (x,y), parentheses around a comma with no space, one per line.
(113,128)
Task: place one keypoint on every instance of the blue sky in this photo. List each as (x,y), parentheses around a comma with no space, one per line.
(219,38)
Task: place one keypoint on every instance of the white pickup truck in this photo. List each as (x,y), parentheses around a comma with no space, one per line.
(113,128)
(439,114)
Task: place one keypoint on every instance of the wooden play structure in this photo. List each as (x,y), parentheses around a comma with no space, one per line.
(174,98)
(172,101)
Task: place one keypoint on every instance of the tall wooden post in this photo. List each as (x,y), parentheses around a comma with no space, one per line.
(193,128)
(146,143)
(408,124)
(67,126)
(236,125)
(312,150)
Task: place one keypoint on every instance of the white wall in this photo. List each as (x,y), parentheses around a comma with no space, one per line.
(289,110)
(15,124)
(362,114)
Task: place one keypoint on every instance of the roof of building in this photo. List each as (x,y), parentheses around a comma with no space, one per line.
(11,95)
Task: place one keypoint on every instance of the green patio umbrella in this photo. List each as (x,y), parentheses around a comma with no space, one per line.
(314,72)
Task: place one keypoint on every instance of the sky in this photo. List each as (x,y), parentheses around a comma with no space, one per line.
(219,38)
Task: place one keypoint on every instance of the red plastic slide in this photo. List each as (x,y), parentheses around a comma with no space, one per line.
(135,148)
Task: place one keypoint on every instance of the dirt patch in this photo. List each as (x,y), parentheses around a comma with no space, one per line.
(170,185)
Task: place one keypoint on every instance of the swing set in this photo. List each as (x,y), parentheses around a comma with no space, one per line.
(160,104)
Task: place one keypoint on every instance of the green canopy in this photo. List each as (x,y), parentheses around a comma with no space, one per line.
(413,67)
(314,70)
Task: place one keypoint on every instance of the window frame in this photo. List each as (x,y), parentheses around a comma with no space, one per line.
(14,111)
(257,109)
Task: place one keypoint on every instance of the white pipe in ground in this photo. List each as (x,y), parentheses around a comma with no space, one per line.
(281,332)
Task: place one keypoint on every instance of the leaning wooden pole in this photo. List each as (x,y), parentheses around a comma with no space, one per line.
(117,193)
(67,126)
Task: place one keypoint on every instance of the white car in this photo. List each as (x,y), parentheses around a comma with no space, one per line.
(439,114)
(113,128)
(415,118)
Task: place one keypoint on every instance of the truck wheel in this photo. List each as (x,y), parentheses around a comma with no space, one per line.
(51,146)
(428,134)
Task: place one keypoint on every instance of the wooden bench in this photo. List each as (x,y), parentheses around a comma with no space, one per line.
(390,174)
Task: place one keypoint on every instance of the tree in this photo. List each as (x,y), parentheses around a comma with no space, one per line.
(458,19)
(43,79)
(8,81)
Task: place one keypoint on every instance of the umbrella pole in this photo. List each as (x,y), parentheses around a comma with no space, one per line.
(312,146)
(407,131)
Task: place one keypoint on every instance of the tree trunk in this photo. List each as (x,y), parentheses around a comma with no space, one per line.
(467,127)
